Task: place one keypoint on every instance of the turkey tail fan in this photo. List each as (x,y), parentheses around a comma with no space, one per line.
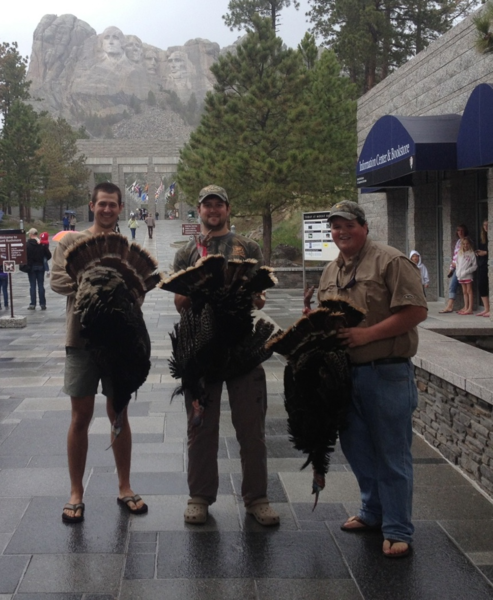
(203,275)
(263,279)
(141,260)
(353,314)
(286,342)
(118,245)
(135,264)
(238,271)
(153,281)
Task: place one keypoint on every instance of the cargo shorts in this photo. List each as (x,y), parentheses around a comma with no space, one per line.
(83,374)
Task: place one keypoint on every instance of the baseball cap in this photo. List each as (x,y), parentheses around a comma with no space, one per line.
(44,237)
(213,190)
(347,209)
(32,231)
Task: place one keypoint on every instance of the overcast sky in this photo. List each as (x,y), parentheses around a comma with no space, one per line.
(161,23)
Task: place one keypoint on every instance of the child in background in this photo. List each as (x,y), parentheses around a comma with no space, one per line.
(43,239)
(415,256)
(466,265)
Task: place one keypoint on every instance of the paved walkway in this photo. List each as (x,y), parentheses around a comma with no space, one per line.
(113,555)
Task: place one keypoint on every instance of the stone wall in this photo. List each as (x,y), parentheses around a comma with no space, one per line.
(439,80)
(458,424)
(292,277)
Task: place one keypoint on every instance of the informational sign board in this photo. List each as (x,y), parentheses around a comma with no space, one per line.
(8,266)
(190,229)
(13,245)
(317,238)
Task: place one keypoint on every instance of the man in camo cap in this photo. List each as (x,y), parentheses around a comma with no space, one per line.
(247,393)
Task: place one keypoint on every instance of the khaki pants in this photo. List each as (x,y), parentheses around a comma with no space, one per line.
(248,402)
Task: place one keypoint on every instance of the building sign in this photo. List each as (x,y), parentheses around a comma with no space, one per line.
(13,246)
(317,237)
(190,229)
(380,160)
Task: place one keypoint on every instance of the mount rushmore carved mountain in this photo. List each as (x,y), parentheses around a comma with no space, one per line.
(84,76)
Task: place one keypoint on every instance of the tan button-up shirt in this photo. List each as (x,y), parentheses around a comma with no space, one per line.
(386,280)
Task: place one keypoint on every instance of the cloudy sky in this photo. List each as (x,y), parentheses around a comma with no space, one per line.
(161,23)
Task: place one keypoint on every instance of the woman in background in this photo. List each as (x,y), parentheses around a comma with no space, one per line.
(483,284)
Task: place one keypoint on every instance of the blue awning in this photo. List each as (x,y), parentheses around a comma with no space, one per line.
(475,140)
(396,147)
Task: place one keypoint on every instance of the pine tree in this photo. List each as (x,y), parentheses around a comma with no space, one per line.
(65,174)
(263,134)
(242,12)
(13,84)
(371,39)
(19,159)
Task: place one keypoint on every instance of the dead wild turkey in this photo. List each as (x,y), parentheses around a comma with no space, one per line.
(215,339)
(317,382)
(112,278)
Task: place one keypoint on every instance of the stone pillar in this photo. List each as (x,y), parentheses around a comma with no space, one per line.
(151,182)
(92,181)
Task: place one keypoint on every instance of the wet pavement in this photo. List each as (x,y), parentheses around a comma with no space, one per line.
(116,556)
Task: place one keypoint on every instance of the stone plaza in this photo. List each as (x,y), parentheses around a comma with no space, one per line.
(113,555)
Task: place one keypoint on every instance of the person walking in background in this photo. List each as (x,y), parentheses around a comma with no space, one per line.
(461,232)
(36,254)
(73,222)
(151,223)
(66,223)
(133,224)
(4,284)
(415,256)
(483,283)
(44,239)
(466,265)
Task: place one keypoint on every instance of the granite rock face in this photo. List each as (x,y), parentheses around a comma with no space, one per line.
(76,72)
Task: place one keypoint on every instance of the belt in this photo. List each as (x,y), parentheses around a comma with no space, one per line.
(382,361)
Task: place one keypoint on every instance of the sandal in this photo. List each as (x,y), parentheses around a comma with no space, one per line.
(263,512)
(445,311)
(125,502)
(197,511)
(362,527)
(75,508)
(402,554)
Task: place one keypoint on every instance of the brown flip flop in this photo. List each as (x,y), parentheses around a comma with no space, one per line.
(361,528)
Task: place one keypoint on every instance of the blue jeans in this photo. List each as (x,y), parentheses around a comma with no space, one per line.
(377,444)
(452,287)
(37,276)
(4,287)
(133,233)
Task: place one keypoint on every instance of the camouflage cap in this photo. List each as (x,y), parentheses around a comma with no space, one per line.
(347,210)
(213,190)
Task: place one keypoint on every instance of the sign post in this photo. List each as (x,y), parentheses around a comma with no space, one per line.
(12,251)
(318,244)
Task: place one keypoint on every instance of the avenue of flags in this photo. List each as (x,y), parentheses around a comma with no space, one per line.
(142,190)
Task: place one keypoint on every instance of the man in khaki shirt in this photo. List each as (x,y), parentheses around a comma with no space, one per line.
(377,440)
